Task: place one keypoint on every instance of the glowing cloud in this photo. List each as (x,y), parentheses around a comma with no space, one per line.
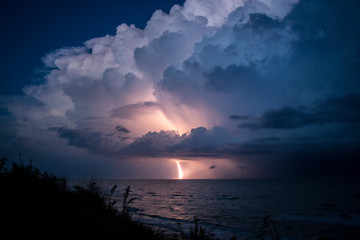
(157,78)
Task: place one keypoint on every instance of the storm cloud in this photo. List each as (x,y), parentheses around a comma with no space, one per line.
(344,109)
(241,80)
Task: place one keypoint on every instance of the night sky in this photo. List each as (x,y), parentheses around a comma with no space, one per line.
(222,88)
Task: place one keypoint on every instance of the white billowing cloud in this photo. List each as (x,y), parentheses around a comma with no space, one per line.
(216,11)
(167,63)
(185,72)
(279,8)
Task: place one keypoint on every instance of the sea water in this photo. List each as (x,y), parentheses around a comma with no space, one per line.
(299,208)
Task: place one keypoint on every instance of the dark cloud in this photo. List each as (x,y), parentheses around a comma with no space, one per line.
(83,138)
(202,142)
(343,109)
(300,156)
(97,142)
(199,142)
(122,129)
(228,79)
(238,117)
(153,144)
(260,22)
(283,118)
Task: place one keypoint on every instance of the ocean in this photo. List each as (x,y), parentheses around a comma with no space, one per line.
(294,208)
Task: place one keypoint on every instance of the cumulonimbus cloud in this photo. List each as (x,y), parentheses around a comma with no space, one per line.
(136,93)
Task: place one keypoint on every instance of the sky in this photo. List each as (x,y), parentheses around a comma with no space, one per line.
(197,88)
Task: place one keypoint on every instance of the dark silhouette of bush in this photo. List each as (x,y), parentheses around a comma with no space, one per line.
(125,204)
(197,232)
(39,205)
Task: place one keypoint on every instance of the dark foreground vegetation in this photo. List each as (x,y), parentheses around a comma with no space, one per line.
(36,205)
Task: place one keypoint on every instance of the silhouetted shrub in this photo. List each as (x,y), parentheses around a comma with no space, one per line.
(197,232)
(35,204)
